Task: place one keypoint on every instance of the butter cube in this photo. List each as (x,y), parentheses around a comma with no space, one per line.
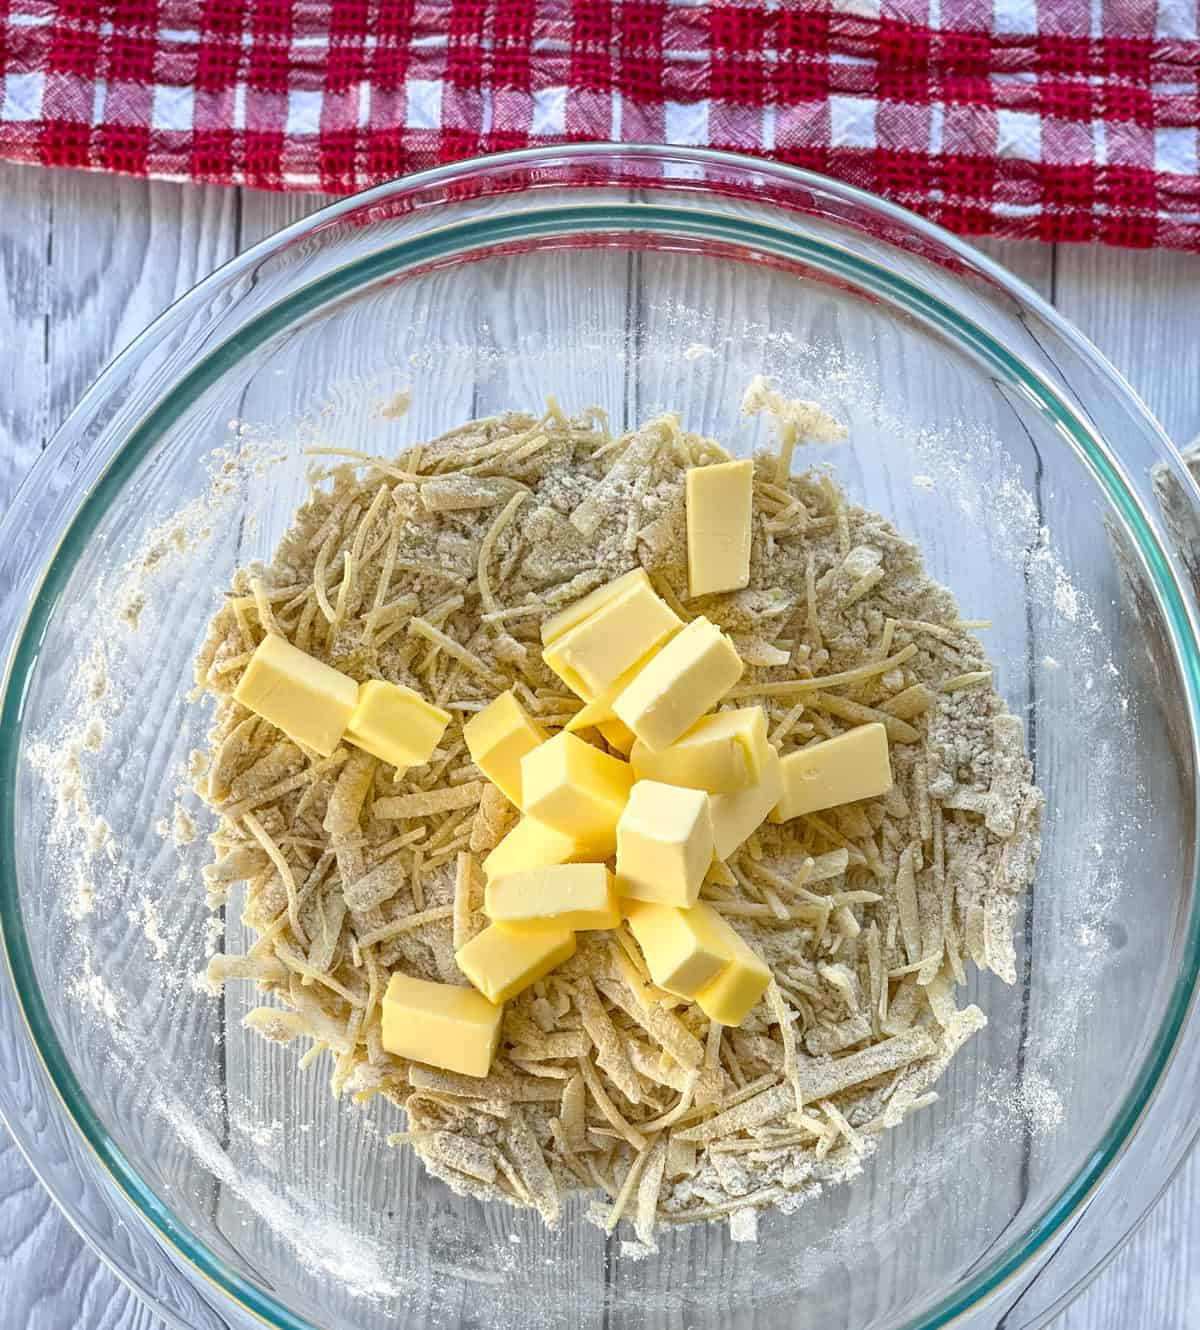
(688,677)
(599,710)
(531,844)
(730,997)
(618,735)
(557,624)
(664,844)
(498,737)
(855,765)
(395,724)
(684,950)
(721,754)
(574,896)
(612,639)
(719,505)
(576,789)
(309,701)
(502,961)
(444,1025)
(736,816)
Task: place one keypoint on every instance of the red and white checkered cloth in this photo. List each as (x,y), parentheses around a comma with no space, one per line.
(1056,119)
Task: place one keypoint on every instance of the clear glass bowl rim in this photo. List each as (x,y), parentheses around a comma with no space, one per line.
(1175,598)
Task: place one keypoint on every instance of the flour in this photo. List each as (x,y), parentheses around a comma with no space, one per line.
(147,917)
(396,407)
(1035,1099)
(183,826)
(214,933)
(76,824)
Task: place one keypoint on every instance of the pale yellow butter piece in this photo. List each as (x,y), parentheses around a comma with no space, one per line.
(598,710)
(664,844)
(309,701)
(531,844)
(688,677)
(498,737)
(566,619)
(611,640)
(395,724)
(618,735)
(721,753)
(720,502)
(597,714)
(502,961)
(736,816)
(576,789)
(730,997)
(684,950)
(855,765)
(574,896)
(444,1025)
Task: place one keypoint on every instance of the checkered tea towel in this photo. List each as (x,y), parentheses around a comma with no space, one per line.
(1054,119)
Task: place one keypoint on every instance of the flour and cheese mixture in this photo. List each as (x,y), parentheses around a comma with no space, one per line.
(627,814)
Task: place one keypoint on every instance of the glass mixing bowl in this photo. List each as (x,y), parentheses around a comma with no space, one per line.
(1042,493)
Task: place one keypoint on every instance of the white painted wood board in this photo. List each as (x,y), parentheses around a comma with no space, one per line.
(86,261)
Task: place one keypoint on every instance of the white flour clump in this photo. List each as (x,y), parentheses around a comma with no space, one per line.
(77,828)
(434,569)
(796,422)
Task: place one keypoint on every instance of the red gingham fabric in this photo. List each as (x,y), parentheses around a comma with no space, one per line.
(1054,119)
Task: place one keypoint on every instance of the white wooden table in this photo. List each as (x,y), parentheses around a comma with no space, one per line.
(87,261)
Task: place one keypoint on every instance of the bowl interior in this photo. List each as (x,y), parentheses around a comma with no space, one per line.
(301,1196)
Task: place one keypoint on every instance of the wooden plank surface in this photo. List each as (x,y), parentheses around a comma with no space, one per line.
(1143,311)
(87,261)
(73,294)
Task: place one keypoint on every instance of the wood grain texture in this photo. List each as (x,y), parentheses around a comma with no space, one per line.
(24,317)
(1143,311)
(120,251)
(87,261)
(1033,263)
(50,1279)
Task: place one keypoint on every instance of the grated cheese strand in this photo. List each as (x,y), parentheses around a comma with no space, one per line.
(482,576)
